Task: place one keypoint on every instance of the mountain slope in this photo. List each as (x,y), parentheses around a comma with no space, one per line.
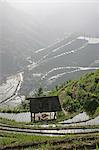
(20,36)
(25,48)
(81,94)
(66,59)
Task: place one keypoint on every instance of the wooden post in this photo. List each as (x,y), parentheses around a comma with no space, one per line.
(31,116)
(50,115)
(34,117)
(54,115)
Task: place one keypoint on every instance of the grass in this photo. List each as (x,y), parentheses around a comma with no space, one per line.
(96,112)
(23,125)
(67,146)
(18,109)
(16,138)
(60,117)
(12,139)
(11,122)
(97,147)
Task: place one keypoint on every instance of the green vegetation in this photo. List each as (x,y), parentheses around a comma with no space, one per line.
(39,92)
(15,110)
(80,95)
(44,142)
(96,146)
(75,96)
(83,94)
(16,138)
(24,125)
(23,107)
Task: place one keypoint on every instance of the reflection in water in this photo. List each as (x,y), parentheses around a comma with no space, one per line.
(20,117)
(80,120)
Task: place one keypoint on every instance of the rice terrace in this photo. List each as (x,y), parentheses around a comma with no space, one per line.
(49,75)
(69,129)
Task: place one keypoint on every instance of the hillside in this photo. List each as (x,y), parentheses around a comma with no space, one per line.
(43,57)
(20,36)
(81,94)
(66,59)
(75,95)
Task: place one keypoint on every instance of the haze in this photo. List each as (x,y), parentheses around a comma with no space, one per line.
(63,15)
(32,41)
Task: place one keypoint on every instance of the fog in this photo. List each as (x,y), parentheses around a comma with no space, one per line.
(63,15)
(32,40)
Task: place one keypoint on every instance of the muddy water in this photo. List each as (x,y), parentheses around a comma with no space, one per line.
(20,117)
(79,120)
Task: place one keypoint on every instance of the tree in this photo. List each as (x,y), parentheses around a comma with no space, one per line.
(39,92)
(91,103)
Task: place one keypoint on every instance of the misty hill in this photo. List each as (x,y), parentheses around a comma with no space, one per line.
(66,59)
(20,35)
(28,47)
(65,16)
